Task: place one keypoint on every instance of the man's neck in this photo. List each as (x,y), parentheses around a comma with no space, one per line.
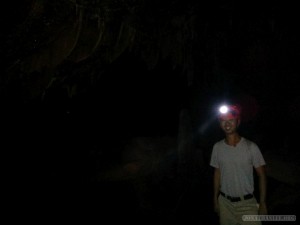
(233,139)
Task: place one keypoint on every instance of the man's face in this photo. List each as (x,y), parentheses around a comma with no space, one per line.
(229,123)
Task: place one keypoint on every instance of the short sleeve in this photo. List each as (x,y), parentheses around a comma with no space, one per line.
(257,157)
(214,162)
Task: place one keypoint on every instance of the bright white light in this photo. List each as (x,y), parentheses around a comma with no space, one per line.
(223,109)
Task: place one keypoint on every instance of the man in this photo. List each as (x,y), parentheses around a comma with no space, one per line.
(233,159)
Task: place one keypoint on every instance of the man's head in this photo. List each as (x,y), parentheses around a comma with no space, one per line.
(229,117)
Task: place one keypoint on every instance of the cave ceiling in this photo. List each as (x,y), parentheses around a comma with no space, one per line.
(65,43)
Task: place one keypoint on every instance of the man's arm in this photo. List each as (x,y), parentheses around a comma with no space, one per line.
(262,184)
(217,176)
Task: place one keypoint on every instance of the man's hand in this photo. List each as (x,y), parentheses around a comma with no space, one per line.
(217,175)
(262,210)
(216,207)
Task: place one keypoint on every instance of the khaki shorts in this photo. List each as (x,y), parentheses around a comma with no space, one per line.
(231,213)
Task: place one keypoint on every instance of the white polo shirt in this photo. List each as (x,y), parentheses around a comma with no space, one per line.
(236,166)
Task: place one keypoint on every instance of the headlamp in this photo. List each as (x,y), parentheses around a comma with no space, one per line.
(223,109)
(232,110)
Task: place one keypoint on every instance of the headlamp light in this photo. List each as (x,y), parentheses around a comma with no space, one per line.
(232,110)
(224,109)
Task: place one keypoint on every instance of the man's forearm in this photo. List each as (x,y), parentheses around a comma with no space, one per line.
(216,183)
(262,183)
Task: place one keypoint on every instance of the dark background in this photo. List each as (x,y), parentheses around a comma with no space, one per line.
(159,72)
